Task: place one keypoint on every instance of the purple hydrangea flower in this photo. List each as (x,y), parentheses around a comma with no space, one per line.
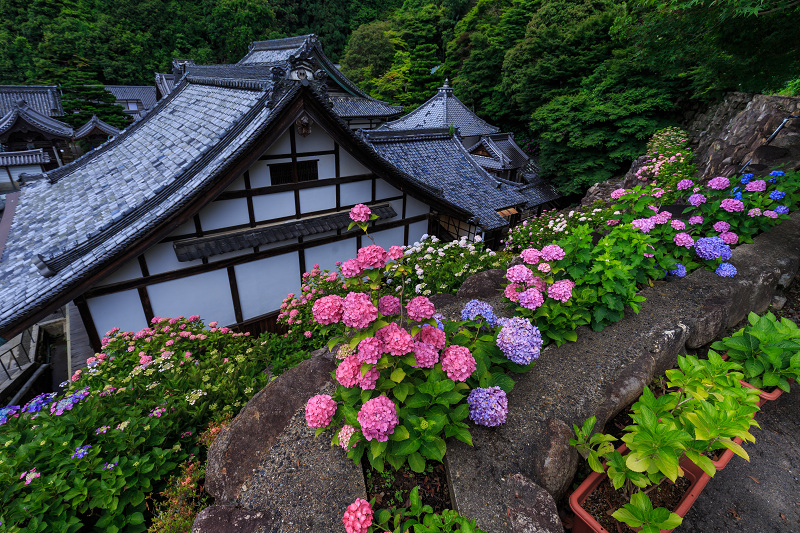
(39,402)
(476,308)
(697,199)
(8,412)
(712,248)
(520,341)
(777,195)
(80,452)
(726,270)
(680,271)
(438,317)
(488,407)
(782,210)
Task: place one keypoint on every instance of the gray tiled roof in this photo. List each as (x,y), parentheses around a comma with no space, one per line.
(27,157)
(22,111)
(239,72)
(442,111)
(146,94)
(439,159)
(209,246)
(276,50)
(165,83)
(358,106)
(45,99)
(93,126)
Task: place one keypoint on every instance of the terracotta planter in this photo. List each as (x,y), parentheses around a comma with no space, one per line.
(585,523)
(764,396)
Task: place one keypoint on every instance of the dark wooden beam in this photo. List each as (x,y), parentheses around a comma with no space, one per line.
(88,322)
(237,305)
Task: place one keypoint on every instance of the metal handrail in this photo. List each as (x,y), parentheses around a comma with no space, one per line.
(769,140)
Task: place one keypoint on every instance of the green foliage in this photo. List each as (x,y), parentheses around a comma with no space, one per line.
(421,519)
(640,513)
(369,53)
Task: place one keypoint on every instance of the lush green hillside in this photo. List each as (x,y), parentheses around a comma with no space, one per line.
(582,82)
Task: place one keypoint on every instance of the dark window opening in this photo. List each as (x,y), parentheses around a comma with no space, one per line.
(281,173)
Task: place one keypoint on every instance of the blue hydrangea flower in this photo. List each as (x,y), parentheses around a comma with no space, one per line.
(438,317)
(712,248)
(782,210)
(746,179)
(520,341)
(39,402)
(680,271)
(476,308)
(488,407)
(777,173)
(777,195)
(80,452)
(8,412)
(726,270)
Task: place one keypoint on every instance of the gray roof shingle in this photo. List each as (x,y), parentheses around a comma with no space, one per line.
(146,94)
(276,50)
(45,99)
(93,126)
(358,106)
(22,111)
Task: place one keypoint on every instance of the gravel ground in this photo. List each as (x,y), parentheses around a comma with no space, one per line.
(764,494)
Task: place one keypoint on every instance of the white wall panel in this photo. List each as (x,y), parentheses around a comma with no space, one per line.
(263,284)
(281,146)
(187,228)
(414,207)
(317,199)
(228,255)
(387,238)
(121,309)
(24,169)
(348,166)
(359,192)
(161,258)
(316,142)
(278,244)
(384,190)
(224,214)
(259,174)
(326,165)
(129,270)
(326,255)
(416,231)
(207,295)
(397,205)
(276,205)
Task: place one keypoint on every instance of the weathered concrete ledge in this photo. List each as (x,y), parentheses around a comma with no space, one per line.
(604,371)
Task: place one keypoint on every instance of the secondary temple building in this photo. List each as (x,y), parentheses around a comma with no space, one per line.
(235,183)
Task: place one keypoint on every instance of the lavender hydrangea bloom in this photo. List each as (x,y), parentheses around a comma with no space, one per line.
(519,340)
(782,210)
(7,412)
(438,317)
(777,195)
(80,452)
(488,407)
(476,308)
(726,270)
(39,402)
(680,271)
(712,248)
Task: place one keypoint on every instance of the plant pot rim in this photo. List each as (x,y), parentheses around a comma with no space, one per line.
(763,395)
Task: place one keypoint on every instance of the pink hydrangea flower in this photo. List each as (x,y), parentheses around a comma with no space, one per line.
(145,360)
(351,268)
(397,340)
(512,291)
(697,219)
(372,256)
(755,212)
(677,224)
(730,205)
(358,516)
(769,213)
(756,186)
(420,308)
(663,217)
(431,335)
(519,274)
(458,363)
(389,305)
(360,213)
(685,184)
(552,252)
(561,290)
(395,253)
(645,225)
(328,309)
(617,194)
(358,310)
(613,222)
(344,437)
(729,237)
(378,418)
(368,380)
(531,298)
(426,355)
(348,373)
(29,475)
(531,255)
(719,183)
(684,239)
(721,226)
(370,350)
(320,410)
(538,283)
(543,267)
(697,199)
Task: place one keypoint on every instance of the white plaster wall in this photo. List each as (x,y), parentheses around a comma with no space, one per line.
(326,165)
(187,228)
(237,185)
(414,207)
(397,205)
(129,270)
(263,284)
(317,199)
(359,192)
(348,166)
(16,171)
(281,146)
(224,214)
(387,237)
(384,190)
(326,255)
(259,174)
(121,309)
(228,255)
(416,231)
(276,205)
(161,258)
(316,142)
(207,295)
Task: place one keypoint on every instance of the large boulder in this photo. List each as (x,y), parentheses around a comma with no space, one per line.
(485,284)
(230,519)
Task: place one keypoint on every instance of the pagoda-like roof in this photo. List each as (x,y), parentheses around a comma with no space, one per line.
(95,126)
(442,111)
(45,99)
(26,157)
(503,149)
(23,117)
(277,50)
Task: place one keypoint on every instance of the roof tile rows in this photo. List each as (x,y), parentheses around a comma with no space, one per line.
(45,99)
(27,157)
(22,111)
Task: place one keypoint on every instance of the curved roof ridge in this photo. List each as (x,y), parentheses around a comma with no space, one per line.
(92,124)
(22,110)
